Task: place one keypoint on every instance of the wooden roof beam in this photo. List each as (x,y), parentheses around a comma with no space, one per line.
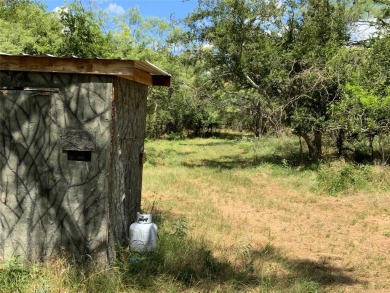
(139,71)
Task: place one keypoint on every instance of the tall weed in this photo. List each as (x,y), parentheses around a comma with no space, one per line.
(13,275)
(343,177)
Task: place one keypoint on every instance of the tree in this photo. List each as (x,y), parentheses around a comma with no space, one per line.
(240,41)
(363,113)
(71,31)
(25,27)
(277,52)
(82,33)
(321,31)
(169,110)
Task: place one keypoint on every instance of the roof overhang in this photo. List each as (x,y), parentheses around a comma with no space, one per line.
(139,71)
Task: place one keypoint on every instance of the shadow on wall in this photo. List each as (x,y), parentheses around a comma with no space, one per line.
(47,203)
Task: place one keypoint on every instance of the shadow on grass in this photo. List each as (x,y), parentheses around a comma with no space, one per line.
(300,275)
(233,162)
(155,157)
(184,263)
(210,143)
(232,135)
(321,273)
(187,265)
(180,263)
(285,154)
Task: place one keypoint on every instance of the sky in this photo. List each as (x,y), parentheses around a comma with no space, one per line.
(166,8)
(148,8)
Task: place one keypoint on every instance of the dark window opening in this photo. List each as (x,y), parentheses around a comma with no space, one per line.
(79,156)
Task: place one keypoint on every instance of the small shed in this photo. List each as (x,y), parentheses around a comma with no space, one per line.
(71,153)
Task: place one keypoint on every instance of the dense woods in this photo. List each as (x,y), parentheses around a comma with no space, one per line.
(318,68)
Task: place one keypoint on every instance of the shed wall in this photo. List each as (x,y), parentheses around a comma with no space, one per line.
(128,133)
(49,203)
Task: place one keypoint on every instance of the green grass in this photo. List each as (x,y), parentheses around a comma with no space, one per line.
(204,195)
(13,275)
(278,157)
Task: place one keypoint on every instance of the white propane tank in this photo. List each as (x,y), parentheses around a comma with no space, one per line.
(143,234)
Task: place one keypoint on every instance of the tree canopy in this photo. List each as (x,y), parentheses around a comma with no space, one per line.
(263,66)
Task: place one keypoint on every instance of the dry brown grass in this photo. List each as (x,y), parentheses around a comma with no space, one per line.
(241,202)
(242,216)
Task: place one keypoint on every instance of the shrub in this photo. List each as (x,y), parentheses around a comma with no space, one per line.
(344,177)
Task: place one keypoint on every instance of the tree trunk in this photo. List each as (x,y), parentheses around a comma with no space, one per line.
(259,121)
(300,148)
(156,134)
(371,140)
(314,146)
(318,143)
(340,142)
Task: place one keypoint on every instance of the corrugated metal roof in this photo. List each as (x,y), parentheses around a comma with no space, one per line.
(137,70)
(149,67)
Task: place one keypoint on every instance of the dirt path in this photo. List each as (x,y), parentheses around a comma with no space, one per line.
(342,241)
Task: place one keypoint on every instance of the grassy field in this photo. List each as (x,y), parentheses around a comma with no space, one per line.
(241,215)
(287,225)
